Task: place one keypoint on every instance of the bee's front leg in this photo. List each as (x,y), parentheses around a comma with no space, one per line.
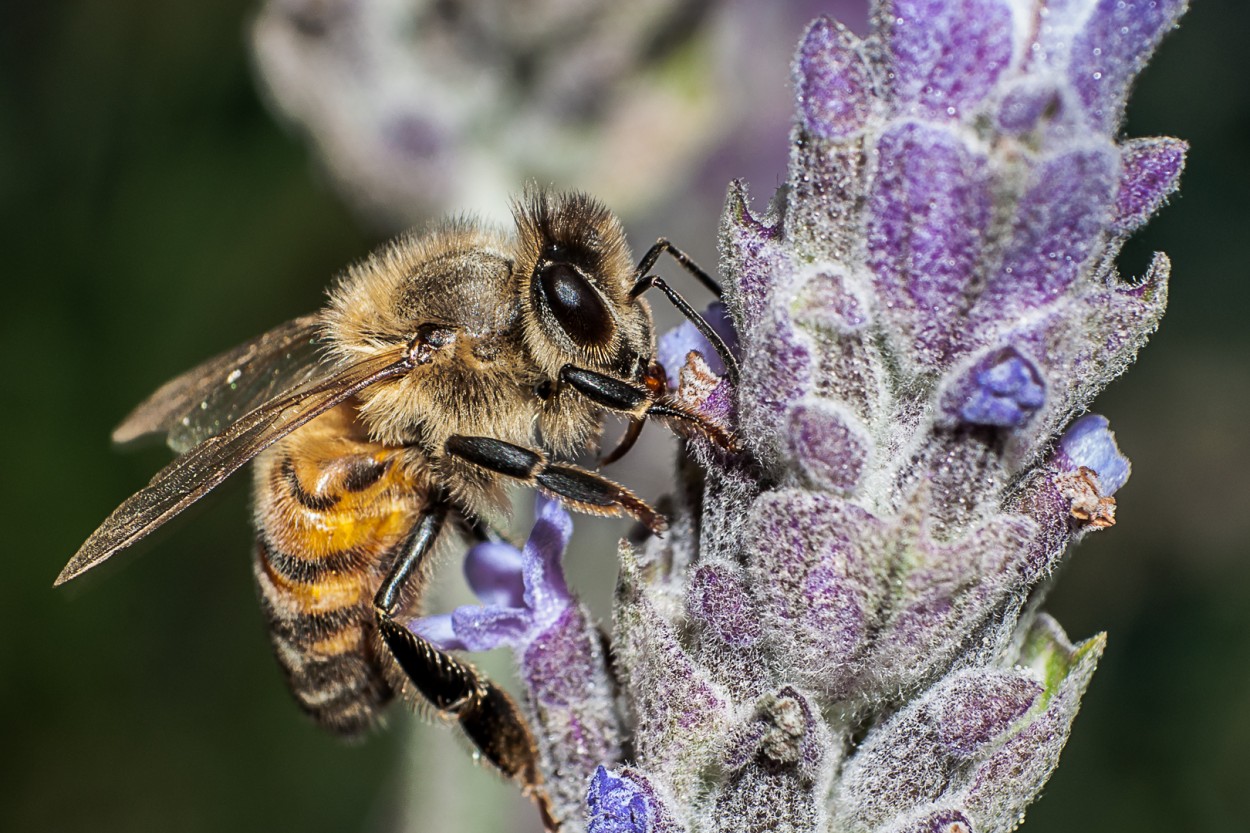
(639,402)
(644,282)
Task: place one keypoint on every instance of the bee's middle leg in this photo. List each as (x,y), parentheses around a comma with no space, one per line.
(584,490)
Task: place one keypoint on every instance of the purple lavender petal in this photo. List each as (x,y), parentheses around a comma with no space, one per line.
(947,54)
(829,444)
(659,818)
(493,571)
(615,805)
(679,342)
(929,208)
(1152,171)
(1087,337)
(438,630)
(480,628)
(674,345)
(1059,222)
(832,81)
(1090,443)
(514,614)
(546,592)
(1002,390)
(1112,49)
(719,405)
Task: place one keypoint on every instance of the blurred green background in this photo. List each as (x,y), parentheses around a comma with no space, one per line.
(153,213)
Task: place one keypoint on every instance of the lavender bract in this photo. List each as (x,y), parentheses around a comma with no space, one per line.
(843,629)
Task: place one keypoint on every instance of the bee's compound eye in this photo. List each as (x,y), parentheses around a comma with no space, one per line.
(576,306)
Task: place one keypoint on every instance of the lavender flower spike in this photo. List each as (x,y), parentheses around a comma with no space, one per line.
(843,629)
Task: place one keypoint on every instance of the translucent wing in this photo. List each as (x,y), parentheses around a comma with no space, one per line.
(202,402)
(195,473)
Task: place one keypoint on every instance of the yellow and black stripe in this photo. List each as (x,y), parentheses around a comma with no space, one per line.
(331,512)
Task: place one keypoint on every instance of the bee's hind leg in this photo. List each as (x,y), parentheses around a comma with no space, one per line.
(485,712)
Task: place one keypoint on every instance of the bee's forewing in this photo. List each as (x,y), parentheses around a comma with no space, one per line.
(192,475)
(204,401)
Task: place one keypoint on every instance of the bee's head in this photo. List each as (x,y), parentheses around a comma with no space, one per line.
(574,276)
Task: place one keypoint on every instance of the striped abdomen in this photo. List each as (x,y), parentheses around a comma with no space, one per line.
(331,509)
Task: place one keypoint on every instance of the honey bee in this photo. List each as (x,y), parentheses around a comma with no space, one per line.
(444,367)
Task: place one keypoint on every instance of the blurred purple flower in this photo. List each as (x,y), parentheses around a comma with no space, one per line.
(1002,390)
(528,608)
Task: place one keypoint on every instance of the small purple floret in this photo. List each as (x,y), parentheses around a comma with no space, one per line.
(676,344)
(493,571)
(615,805)
(524,590)
(1003,391)
(1088,442)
